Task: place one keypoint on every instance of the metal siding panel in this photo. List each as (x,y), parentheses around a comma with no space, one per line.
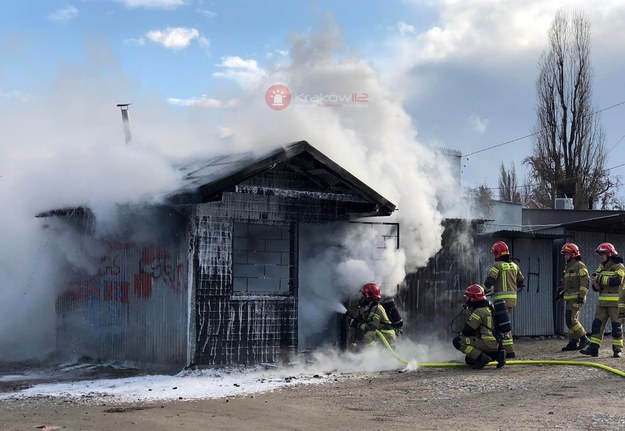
(433,295)
(133,309)
(533,315)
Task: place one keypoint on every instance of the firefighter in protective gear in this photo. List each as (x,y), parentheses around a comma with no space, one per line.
(373,318)
(608,281)
(505,278)
(575,284)
(477,339)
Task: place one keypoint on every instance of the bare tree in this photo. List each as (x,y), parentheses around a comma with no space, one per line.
(509,190)
(481,201)
(569,155)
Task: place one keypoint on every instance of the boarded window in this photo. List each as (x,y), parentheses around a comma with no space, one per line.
(260,258)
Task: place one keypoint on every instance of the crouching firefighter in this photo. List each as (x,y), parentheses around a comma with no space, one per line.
(477,339)
(373,319)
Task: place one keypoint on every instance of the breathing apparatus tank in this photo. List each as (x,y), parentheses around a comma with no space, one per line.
(501,316)
(393,313)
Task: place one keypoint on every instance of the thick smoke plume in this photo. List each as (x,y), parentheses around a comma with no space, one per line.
(65,148)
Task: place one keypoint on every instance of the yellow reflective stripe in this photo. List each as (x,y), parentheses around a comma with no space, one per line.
(617,342)
(576,327)
(620,272)
(488,337)
(608,273)
(583,272)
(608,298)
(493,270)
(595,340)
(507,342)
(621,306)
(504,296)
(475,317)
(570,297)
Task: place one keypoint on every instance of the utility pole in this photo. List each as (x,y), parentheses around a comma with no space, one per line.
(124,109)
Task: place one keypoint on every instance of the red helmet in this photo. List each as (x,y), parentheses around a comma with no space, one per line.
(371,291)
(570,249)
(475,292)
(607,248)
(500,248)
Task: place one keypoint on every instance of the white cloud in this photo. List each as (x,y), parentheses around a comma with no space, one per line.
(14,95)
(139,41)
(204,101)
(207,13)
(478,124)
(405,29)
(153,4)
(65,14)
(245,72)
(176,38)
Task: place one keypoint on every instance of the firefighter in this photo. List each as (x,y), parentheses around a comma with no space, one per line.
(575,284)
(477,339)
(373,318)
(504,279)
(608,281)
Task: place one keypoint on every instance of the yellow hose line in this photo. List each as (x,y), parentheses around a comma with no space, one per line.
(514,362)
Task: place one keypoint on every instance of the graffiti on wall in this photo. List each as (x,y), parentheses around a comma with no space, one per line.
(127,271)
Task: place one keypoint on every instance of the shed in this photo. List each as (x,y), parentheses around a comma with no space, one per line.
(210,277)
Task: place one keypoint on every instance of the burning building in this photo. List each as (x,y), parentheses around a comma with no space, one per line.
(211,276)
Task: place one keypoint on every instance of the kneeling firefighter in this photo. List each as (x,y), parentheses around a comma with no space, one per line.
(477,339)
(373,317)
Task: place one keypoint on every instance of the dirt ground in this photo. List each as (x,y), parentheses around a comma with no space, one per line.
(516,397)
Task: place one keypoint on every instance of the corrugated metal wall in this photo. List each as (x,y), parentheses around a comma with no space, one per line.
(433,295)
(134,308)
(534,312)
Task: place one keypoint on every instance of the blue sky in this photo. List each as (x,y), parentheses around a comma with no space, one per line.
(464,71)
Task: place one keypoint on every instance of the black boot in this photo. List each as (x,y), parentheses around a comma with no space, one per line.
(481,361)
(592,350)
(571,346)
(500,358)
(584,342)
(510,355)
(616,352)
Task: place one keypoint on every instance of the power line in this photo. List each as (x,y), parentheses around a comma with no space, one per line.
(533,134)
(499,145)
(535,184)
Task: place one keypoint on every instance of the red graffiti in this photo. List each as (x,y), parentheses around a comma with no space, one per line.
(143,285)
(116,291)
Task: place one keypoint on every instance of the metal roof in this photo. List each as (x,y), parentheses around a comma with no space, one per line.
(521,234)
(614,223)
(207,180)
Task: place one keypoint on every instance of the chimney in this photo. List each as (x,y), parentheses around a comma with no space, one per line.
(124,109)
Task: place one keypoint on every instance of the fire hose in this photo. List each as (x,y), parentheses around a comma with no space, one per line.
(514,362)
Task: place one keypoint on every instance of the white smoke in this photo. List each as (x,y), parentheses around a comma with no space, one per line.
(65,148)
